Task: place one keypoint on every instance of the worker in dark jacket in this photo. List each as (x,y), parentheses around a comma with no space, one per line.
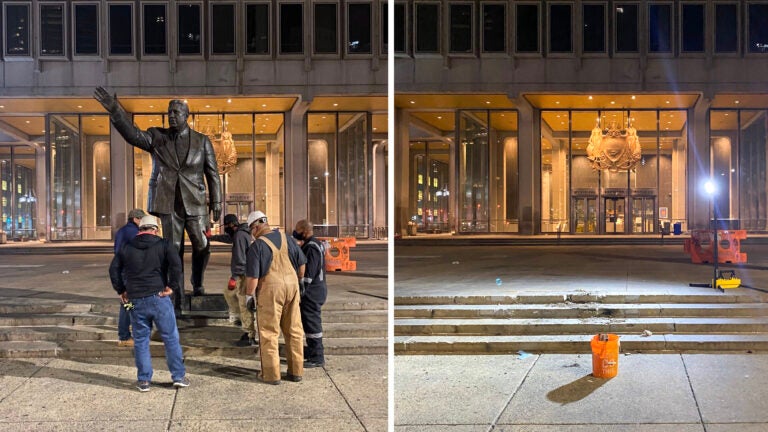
(145,273)
(240,237)
(123,236)
(314,293)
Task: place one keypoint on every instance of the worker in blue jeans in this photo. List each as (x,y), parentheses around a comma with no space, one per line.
(123,236)
(145,273)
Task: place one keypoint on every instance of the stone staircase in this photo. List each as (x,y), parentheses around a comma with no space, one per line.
(55,328)
(565,323)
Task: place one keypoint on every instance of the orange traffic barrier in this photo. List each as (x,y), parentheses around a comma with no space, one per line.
(700,246)
(337,253)
(605,355)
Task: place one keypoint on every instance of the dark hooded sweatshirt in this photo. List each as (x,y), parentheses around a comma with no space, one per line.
(145,266)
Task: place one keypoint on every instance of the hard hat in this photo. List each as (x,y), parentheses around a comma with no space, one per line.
(231,219)
(148,221)
(256,216)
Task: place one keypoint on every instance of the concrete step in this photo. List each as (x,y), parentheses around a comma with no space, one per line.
(43,308)
(104,348)
(565,326)
(577,343)
(582,310)
(582,298)
(53,319)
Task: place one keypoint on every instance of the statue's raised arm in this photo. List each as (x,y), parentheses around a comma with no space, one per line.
(108,101)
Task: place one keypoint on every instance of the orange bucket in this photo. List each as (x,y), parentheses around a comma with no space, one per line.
(605,355)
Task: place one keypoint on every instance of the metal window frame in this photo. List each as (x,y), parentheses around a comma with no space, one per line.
(673,49)
(64,33)
(235,30)
(540,28)
(270,32)
(615,32)
(561,54)
(473,28)
(337,52)
(481,29)
(438,25)
(407,30)
(606,31)
(371,27)
(304,27)
(73,36)
(108,12)
(30,49)
(680,26)
(746,15)
(176,21)
(142,39)
(739,29)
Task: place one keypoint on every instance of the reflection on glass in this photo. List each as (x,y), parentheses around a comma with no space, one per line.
(473,171)
(748,179)
(65,178)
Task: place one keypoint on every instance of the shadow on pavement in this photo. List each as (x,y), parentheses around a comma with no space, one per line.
(576,390)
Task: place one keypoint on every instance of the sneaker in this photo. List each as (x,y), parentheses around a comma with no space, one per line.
(184,382)
(127,343)
(292,377)
(311,364)
(261,378)
(143,386)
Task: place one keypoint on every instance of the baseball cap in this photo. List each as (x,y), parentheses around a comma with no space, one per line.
(148,221)
(254,216)
(136,213)
(231,219)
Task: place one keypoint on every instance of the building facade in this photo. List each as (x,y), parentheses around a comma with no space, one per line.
(506,112)
(291,93)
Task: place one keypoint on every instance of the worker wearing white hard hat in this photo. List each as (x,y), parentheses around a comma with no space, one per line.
(274,265)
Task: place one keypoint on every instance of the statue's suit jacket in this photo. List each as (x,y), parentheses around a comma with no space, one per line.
(168,170)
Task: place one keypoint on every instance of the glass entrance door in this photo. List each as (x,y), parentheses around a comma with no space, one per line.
(585,214)
(643,215)
(614,215)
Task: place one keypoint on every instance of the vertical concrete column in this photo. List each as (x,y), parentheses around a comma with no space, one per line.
(42,221)
(698,164)
(121,154)
(529,149)
(295,174)
(402,177)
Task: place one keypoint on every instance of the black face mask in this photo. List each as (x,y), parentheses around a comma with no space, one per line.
(298,236)
(230,231)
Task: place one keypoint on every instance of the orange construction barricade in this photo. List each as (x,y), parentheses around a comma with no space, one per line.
(700,247)
(337,253)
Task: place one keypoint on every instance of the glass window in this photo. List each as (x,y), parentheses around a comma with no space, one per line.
(560,39)
(65,178)
(594,28)
(748,183)
(504,174)
(257,28)
(97,178)
(17,192)
(321,152)
(726,28)
(461,28)
(427,27)
(474,174)
(326,35)
(660,28)
(86,28)
(190,41)
(758,28)
(400,27)
(384,29)
(494,27)
(223,29)
(527,25)
(120,29)
(626,28)
(359,28)
(291,28)
(154,29)
(17,30)
(51,29)
(692,31)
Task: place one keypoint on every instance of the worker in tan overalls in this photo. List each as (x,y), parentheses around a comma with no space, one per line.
(274,267)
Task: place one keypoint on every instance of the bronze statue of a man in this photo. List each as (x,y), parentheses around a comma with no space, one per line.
(181,158)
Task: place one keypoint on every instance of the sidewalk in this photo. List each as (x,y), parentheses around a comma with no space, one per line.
(556,393)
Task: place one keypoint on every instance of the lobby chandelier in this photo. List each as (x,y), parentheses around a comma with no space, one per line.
(614,148)
(223,146)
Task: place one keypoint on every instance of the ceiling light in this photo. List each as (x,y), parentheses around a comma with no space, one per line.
(590,98)
(413,102)
(207,106)
(263,105)
(151,106)
(335,104)
(374,128)
(613,102)
(487,102)
(185,101)
(633,97)
(666,101)
(557,102)
(736,102)
(229,100)
(79,106)
(439,117)
(27,121)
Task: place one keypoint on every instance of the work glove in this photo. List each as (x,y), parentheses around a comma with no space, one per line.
(303,285)
(232,284)
(250,303)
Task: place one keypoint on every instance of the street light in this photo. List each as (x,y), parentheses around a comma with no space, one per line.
(711,189)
